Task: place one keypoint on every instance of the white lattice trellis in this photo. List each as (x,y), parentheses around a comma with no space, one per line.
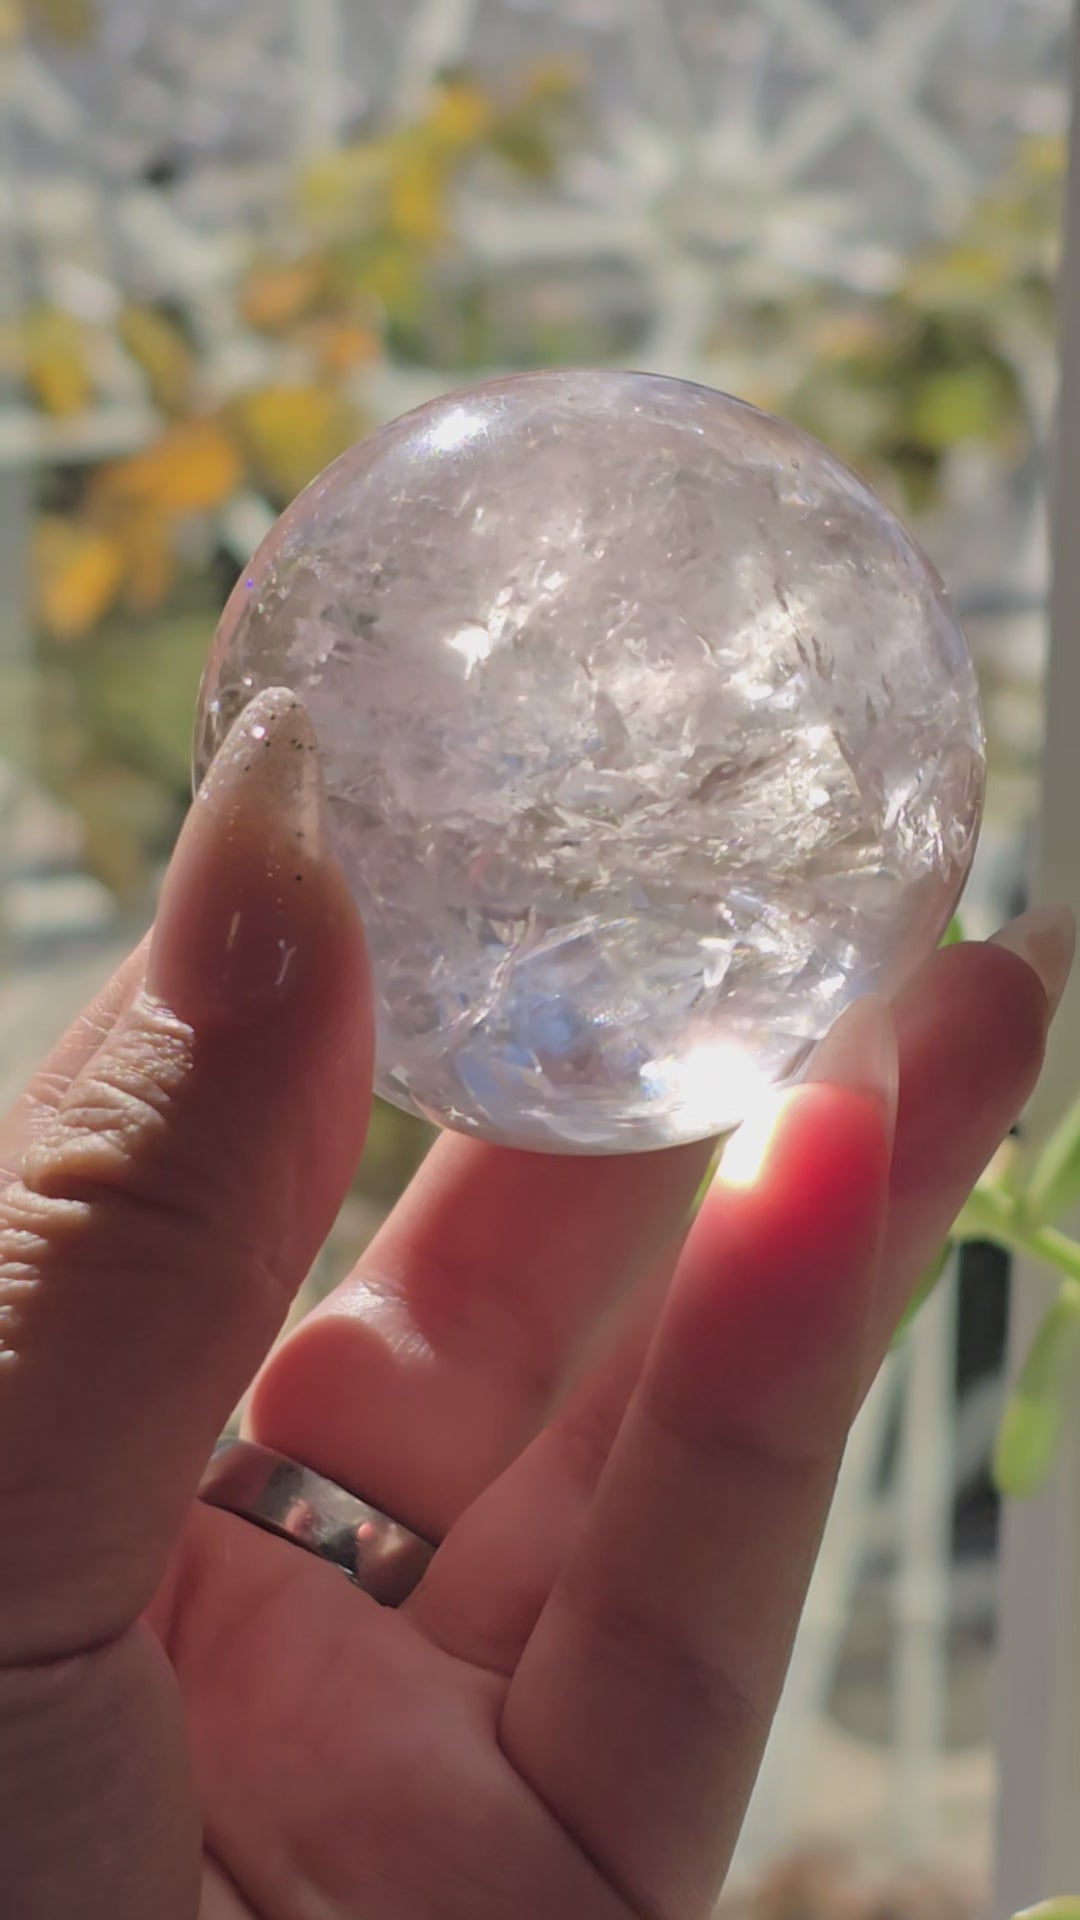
(723,142)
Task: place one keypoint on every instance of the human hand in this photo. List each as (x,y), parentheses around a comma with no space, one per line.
(624,1436)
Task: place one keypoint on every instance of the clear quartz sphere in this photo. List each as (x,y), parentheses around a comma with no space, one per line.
(650,738)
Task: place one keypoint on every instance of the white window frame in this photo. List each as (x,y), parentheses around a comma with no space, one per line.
(1038,1835)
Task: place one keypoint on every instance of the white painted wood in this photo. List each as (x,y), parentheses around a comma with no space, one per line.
(437,36)
(318,103)
(878,84)
(920,1672)
(1039,1705)
(779,1797)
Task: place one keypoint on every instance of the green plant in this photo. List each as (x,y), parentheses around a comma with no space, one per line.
(947,356)
(1017,1205)
(1063,1907)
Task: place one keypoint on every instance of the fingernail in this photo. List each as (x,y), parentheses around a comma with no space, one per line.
(860,1052)
(1046,939)
(240,902)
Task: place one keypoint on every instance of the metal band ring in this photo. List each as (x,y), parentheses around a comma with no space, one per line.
(280,1495)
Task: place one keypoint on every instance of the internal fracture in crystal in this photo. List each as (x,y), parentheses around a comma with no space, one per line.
(650,738)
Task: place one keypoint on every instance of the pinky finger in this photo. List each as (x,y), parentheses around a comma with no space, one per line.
(640,1707)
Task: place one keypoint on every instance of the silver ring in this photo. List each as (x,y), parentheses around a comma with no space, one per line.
(278,1494)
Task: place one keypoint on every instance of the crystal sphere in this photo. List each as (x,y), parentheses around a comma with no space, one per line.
(650,740)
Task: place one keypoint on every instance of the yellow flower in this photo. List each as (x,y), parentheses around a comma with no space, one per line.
(77,573)
(193,468)
(551,79)
(1042,157)
(278,293)
(346,190)
(849,335)
(391,273)
(70,20)
(967,274)
(291,433)
(461,115)
(55,364)
(157,345)
(340,345)
(144,538)
(416,198)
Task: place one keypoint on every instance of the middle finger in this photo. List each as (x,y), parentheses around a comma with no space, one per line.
(441,1355)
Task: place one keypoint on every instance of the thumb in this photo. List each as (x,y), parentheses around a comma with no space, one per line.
(163,1218)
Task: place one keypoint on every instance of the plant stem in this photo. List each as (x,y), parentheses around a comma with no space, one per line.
(1057,1249)
(992,1214)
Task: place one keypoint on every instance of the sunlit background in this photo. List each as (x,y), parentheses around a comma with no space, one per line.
(235,235)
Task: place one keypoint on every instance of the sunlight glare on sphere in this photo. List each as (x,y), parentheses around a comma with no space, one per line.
(650,738)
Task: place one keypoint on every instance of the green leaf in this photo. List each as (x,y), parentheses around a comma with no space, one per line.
(962,403)
(988,1213)
(138,683)
(1028,1436)
(709,1175)
(1054,1187)
(929,1278)
(1026,1445)
(1065,1906)
(396,1143)
(953,935)
(72,22)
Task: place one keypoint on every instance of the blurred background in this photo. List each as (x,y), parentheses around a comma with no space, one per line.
(237,234)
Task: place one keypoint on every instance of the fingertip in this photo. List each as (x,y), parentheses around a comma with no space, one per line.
(799,1234)
(858,1056)
(1045,939)
(861,1053)
(254,907)
(972,1022)
(774,1290)
(800,1144)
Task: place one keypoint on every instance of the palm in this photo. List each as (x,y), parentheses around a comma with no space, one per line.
(327,1732)
(463,1755)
